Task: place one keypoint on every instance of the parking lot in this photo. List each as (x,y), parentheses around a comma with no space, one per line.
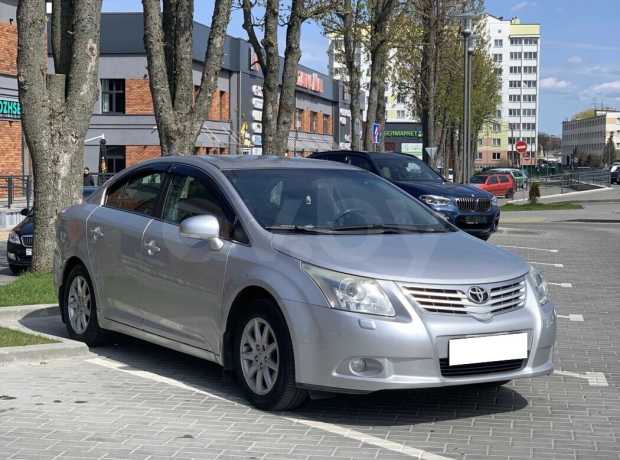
(133,400)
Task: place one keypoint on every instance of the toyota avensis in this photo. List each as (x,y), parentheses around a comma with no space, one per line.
(302,276)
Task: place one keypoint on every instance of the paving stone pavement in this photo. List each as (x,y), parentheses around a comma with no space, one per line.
(80,409)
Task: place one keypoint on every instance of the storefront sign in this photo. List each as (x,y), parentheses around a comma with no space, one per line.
(10,109)
(414,149)
(417,133)
(310,81)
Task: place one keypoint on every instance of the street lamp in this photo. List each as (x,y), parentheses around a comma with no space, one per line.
(468,34)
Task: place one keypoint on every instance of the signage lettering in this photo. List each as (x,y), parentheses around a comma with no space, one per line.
(310,81)
(403,133)
(10,109)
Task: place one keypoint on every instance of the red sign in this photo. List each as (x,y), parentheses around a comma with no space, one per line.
(521,146)
(310,81)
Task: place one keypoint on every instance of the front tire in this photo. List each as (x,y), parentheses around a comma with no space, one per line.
(15,269)
(263,359)
(80,308)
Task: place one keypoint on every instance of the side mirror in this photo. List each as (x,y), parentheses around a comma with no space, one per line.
(25,212)
(204,227)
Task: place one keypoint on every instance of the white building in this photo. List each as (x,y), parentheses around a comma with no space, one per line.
(515,48)
(584,139)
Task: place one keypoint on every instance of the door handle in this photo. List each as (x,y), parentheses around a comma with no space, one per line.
(151,248)
(96,233)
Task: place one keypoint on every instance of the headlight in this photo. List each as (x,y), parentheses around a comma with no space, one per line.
(436,200)
(494,201)
(350,292)
(14,238)
(537,280)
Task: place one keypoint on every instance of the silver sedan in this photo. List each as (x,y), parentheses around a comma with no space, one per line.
(300,276)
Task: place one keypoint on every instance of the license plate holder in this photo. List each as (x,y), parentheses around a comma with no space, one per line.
(488,348)
(475,220)
(28,251)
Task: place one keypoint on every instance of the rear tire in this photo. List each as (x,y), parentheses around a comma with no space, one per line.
(16,269)
(80,308)
(263,359)
(510,195)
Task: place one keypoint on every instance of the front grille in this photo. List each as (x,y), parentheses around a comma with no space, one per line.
(473,204)
(27,240)
(464,370)
(503,297)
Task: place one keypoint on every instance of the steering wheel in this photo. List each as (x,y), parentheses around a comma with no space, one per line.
(347,212)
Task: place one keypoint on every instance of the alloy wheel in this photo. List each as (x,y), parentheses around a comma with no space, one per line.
(79,304)
(260,356)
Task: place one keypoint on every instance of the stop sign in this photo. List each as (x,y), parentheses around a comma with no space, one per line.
(521,146)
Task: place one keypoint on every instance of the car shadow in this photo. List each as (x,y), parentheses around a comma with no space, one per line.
(384,408)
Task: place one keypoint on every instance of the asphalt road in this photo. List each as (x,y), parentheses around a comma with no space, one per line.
(133,400)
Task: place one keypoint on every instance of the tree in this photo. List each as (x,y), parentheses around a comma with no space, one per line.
(549,142)
(610,150)
(56,106)
(278,111)
(180,111)
(381,13)
(349,22)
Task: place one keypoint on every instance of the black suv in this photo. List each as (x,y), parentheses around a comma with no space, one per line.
(469,208)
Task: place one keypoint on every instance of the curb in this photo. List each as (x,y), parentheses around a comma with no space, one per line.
(33,311)
(560,195)
(65,348)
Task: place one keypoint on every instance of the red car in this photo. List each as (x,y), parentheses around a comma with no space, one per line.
(497,184)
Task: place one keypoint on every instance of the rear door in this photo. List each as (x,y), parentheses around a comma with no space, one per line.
(506,184)
(115,242)
(492,185)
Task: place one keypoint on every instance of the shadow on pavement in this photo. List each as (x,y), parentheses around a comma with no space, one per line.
(386,408)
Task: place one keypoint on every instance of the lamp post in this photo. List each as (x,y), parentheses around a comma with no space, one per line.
(467,33)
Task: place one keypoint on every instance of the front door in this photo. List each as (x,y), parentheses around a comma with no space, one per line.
(115,243)
(185,277)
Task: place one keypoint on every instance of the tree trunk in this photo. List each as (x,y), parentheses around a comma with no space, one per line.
(180,112)
(56,108)
(381,116)
(351,38)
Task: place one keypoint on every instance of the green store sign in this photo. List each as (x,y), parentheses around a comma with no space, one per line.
(10,109)
(417,133)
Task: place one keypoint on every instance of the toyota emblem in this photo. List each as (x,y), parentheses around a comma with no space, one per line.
(478,294)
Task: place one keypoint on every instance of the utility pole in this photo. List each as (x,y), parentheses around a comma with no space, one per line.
(466,137)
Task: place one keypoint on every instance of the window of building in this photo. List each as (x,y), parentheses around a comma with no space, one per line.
(515,83)
(496,127)
(499,43)
(497,142)
(112,96)
(400,99)
(514,98)
(497,58)
(515,41)
(515,69)
(530,41)
(497,155)
(530,55)
(400,114)
(514,126)
(514,112)
(299,116)
(529,112)
(327,129)
(498,114)
(529,83)
(499,71)
(515,55)
(115,158)
(529,69)
(478,155)
(314,122)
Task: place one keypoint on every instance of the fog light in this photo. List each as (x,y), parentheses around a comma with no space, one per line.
(358,365)
(11,255)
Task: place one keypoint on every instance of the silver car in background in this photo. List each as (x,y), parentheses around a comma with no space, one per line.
(301,276)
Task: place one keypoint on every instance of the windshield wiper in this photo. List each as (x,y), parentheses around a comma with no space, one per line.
(299,229)
(396,229)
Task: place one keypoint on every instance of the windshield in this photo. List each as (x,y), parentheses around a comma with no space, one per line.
(331,201)
(402,169)
(478,179)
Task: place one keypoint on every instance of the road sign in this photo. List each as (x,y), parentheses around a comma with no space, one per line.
(521,146)
(376,133)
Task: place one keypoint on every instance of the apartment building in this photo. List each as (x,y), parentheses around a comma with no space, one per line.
(515,49)
(123,114)
(584,139)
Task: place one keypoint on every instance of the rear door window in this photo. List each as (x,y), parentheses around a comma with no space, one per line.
(138,193)
(504,179)
(492,180)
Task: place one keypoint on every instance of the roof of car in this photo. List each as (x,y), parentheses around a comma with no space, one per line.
(370,154)
(230,162)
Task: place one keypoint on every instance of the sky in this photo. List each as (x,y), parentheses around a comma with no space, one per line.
(580,50)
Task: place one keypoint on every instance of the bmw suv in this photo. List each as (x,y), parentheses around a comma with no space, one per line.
(469,208)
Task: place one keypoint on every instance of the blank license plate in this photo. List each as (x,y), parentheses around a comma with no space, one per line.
(487,349)
(28,251)
(475,220)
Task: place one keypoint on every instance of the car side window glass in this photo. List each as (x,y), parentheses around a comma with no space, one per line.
(139,193)
(503,179)
(360,162)
(190,196)
(492,180)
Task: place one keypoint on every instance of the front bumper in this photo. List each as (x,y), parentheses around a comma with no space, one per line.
(468,221)
(408,352)
(16,255)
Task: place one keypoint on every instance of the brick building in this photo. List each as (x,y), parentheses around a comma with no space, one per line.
(123,114)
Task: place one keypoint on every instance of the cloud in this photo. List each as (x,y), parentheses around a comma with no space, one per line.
(522,5)
(575,60)
(583,46)
(611,88)
(554,84)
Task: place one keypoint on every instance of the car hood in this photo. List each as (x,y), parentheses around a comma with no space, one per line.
(25,227)
(444,189)
(442,258)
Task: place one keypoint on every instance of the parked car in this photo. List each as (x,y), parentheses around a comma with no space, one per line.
(469,208)
(299,275)
(520,177)
(19,242)
(615,173)
(497,184)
